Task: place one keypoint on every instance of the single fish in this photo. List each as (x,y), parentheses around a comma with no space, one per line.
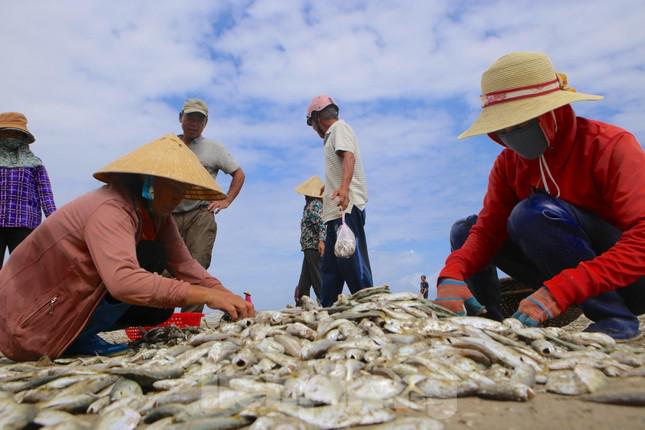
(222,350)
(269,344)
(147,376)
(201,338)
(316,349)
(336,416)
(374,387)
(444,389)
(367,292)
(291,344)
(54,418)
(248,385)
(279,421)
(212,423)
(322,389)
(119,419)
(300,330)
(123,388)
(98,405)
(565,382)
(164,411)
(480,323)
(408,423)
(626,398)
(593,379)
(15,416)
(544,347)
(506,391)
(524,375)
(245,357)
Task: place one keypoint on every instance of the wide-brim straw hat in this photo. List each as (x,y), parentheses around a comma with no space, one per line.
(518,87)
(16,121)
(167,157)
(312,187)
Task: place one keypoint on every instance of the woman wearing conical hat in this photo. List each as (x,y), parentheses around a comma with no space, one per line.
(565,208)
(95,264)
(312,237)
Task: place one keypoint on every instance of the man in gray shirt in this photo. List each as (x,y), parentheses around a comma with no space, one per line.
(195,219)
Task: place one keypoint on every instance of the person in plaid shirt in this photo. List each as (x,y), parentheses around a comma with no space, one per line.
(312,237)
(25,190)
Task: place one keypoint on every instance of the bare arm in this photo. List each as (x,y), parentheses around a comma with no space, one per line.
(348,172)
(233,191)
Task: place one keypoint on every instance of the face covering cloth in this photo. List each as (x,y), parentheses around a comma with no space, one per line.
(16,153)
(527,140)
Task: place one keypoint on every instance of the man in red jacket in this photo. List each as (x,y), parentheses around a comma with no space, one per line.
(564,211)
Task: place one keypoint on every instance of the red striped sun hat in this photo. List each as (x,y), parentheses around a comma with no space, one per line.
(518,87)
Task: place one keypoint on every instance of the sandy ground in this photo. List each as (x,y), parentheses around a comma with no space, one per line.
(547,411)
(550,411)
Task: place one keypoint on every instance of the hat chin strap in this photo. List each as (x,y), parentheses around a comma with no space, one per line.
(545,167)
(542,161)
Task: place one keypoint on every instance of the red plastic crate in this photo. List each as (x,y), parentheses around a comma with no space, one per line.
(179,319)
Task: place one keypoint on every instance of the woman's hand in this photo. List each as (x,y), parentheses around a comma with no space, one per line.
(219,297)
(230,303)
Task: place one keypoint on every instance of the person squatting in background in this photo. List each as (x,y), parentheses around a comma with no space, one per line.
(564,212)
(25,190)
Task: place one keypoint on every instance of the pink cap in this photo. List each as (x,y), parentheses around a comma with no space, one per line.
(317,104)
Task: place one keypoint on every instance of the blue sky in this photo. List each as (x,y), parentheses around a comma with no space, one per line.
(97,79)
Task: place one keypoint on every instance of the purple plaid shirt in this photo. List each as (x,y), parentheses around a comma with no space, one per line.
(23,192)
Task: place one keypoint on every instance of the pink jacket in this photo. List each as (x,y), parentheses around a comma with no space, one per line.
(55,279)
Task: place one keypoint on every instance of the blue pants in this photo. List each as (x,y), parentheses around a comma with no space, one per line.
(355,271)
(545,236)
(112,314)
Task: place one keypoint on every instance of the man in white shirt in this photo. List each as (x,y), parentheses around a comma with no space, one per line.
(345,192)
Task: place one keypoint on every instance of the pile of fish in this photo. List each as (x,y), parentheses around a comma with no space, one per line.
(374,359)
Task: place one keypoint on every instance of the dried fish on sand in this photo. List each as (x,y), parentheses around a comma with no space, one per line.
(359,363)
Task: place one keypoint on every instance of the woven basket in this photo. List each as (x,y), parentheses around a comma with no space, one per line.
(513,292)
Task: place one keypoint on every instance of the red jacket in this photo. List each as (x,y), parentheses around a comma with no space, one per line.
(598,167)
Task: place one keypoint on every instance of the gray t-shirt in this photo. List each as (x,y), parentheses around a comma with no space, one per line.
(214,157)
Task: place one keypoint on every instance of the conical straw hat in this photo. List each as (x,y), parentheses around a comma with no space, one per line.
(518,87)
(167,157)
(312,187)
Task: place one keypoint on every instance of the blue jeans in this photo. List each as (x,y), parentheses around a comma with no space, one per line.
(355,271)
(112,314)
(545,236)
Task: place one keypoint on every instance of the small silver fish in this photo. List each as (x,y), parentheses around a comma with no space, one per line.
(119,419)
(626,398)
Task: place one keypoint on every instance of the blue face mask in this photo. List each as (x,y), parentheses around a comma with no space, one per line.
(527,140)
(148,191)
